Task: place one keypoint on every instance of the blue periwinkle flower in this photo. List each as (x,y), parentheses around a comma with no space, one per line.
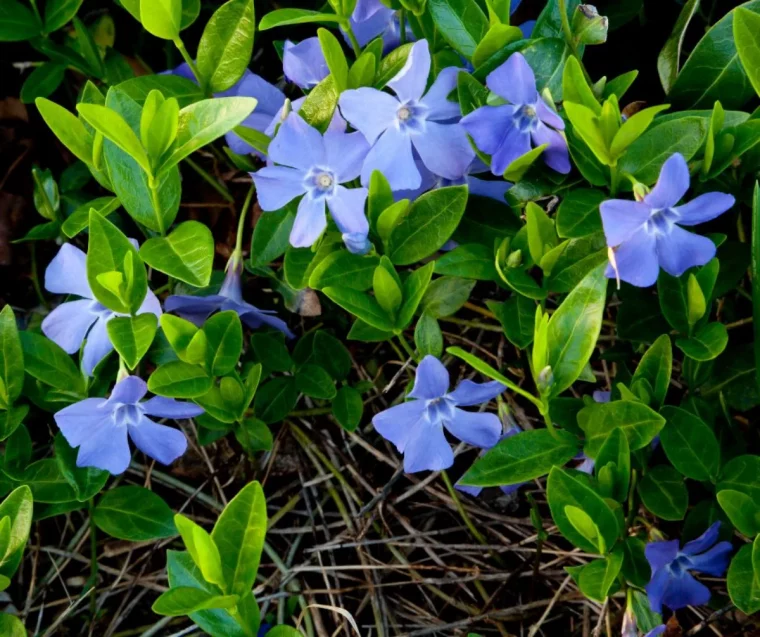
(72,322)
(412,119)
(508,131)
(371,19)
(304,63)
(100,426)
(314,166)
(416,426)
(230,297)
(647,235)
(672,584)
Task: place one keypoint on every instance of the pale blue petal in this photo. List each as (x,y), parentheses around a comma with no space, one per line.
(427,449)
(194,308)
(270,98)
(106,448)
(680,250)
(97,347)
(660,554)
(276,186)
(254,318)
(602,396)
(150,305)
(469,393)
(345,154)
(129,391)
(310,222)
(478,429)
(488,126)
(356,242)
(410,82)
(621,219)
(444,149)
(78,421)
(514,81)
(161,407)
(713,562)
(671,185)
(488,188)
(297,144)
(637,260)
(347,209)
(67,273)
(436,99)
(396,423)
(159,442)
(704,208)
(392,156)
(548,116)
(369,111)
(431,380)
(366,9)
(514,145)
(304,63)
(473,491)
(555,154)
(67,324)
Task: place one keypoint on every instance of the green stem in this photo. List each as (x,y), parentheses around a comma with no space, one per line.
(210,181)
(153,185)
(461,510)
(36,277)
(241,221)
(548,421)
(402,25)
(614,180)
(186,56)
(346,26)
(317,411)
(407,347)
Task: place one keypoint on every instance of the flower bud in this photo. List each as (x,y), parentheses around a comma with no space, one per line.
(514,260)
(356,242)
(545,380)
(588,26)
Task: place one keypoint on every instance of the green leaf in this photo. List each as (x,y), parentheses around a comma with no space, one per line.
(285,17)
(186,254)
(690,445)
(319,107)
(429,223)
(162,18)
(18,506)
(742,474)
(664,493)
(11,359)
(360,305)
(575,87)
(639,423)
(10,625)
(202,549)
(58,13)
(743,582)
(362,72)
(275,399)
(88,49)
(714,70)
(177,602)
(496,38)
(239,534)
(578,214)
(636,568)
(386,288)
(574,328)
(134,514)
(270,236)
(427,336)
(460,22)
(11,419)
(563,490)
(85,481)
(747,39)
(203,122)
(180,88)
(108,250)
(615,454)
(43,81)
(633,128)
(226,45)
(391,64)
(707,343)
(471,261)
(348,408)
(177,379)
(669,59)
(656,367)
(414,288)
(755,270)
(132,336)
(344,269)
(520,458)
(48,363)
(67,128)
(587,126)
(315,382)
(80,218)
(597,577)
(741,511)
(271,352)
(254,435)
(335,58)
(17,22)
(224,336)
(516,316)
(446,295)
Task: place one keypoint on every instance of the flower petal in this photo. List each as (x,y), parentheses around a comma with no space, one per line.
(672,184)
(304,63)
(392,156)
(97,347)
(556,154)
(704,208)
(427,449)
(161,407)
(369,111)
(129,391)
(345,153)
(548,116)
(713,562)
(479,429)
(514,81)
(297,144)
(67,324)
(660,554)
(488,126)
(310,222)
(636,260)
(622,218)
(67,273)
(270,98)
(150,305)
(704,541)
(276,186)
(436,99)
(656,588)
(410,82)
(680,250)
(106,448)
(160,442)
(195,309)
(78,421)
(473,491)
(396,423)
(684,591)
(514,144)
(254,318)
(431,380)
(469,393)
(488,188)
(444,149)
(347,209)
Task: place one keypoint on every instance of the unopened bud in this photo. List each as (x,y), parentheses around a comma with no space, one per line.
(514,260)
(640,191)
(545,380)
(588,26)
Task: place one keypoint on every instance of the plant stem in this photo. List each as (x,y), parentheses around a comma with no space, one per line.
(402,25)
(153,185)
(614,180)
(407,347)
(186,56)
(210,181)
(36,277)
(549,424)
(346,26)
(241,221)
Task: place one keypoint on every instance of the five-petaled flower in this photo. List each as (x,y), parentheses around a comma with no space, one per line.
(413,118)
(416,427)
(672,585)
(70,323)
(508,131)
(315,166)
(230,297)
(100,427)
(646,235)
(304,63)
(371,18)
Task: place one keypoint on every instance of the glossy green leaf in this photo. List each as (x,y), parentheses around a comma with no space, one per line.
(17,22)
(224,337)
(134,514)
(67,128)
(743,582)
(742,474)
(360,305)
(690,444)
(669,59)
(202,549)
(43,81)
(614,457)
(639,423)
(741,510)
(664,493)
(516,316)
(656,367)
(315,382)
(446,295)
(747,38)
(187,253)
(58,13)
(428,338)
(319,106)
(114,128)
(578,214)
(132,336)
(48,363)
(85,481)
(285,17)
(178,379)
(414,288)
(162,18)
(18,506)
(460,22)
(177,602)
(11,359)
(342,268)
(597,577)
(707,343)
(348,408)
(275,399)
(335,58)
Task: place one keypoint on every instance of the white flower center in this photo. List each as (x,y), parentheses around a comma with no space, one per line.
(404,113)
(324,181)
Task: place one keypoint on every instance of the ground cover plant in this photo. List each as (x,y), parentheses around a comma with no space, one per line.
(379,317)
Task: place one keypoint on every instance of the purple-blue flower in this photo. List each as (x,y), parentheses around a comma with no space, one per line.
(672,584)
(412,119)
(314,166)
(230,297)
(304,63)
(416,426)
(508,131)
(647,235)
(100,427)
(71,323)
(371,18)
